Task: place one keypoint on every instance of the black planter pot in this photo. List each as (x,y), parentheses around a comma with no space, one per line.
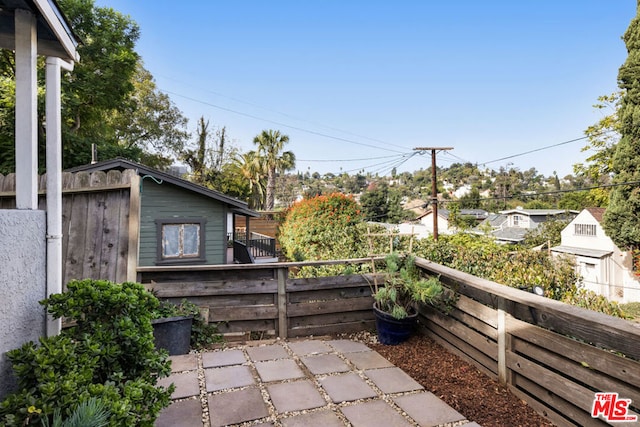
(392,331)
(173,334)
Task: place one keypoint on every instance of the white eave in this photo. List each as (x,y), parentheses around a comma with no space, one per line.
(55,37)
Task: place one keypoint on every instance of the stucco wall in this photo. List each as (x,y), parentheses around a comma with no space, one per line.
(22,284)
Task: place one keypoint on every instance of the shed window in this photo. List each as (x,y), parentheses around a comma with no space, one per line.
(180,240)
(584,229)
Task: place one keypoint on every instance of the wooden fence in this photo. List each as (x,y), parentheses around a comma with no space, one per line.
(97,217)
(552,355)
(261,300)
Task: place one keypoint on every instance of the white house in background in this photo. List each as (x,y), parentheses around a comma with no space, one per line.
(510,226)
(444,227)
(604,268)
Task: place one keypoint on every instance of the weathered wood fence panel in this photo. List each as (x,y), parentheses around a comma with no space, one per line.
(554,356)
(95,221)
(262,299)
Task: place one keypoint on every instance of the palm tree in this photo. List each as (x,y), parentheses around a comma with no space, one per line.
(270,144)
(252,171)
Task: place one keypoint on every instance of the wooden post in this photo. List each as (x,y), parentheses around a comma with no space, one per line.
(502,341)
(434,185)
(282,302)
(134,226)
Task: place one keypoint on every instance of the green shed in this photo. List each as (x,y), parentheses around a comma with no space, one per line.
(180,223)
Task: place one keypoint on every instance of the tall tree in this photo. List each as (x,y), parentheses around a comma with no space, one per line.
(622,218)
(148,121)
(270,145)
(109,99)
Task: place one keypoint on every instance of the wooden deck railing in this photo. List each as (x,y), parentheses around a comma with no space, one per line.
(553,355)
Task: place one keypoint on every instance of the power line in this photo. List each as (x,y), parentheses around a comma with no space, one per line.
(312,132)
(547,193)
(542,148)
(351,160)
(242,101)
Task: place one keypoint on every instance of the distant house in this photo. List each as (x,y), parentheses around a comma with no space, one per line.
(510,226)
(180,223)
(604,268)
(444,227)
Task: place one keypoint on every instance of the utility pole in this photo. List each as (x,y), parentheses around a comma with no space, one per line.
(434,185)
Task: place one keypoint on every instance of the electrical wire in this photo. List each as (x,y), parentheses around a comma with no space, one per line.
(242,101)
(312,132)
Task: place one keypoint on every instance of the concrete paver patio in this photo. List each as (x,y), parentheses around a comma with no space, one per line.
(299,383)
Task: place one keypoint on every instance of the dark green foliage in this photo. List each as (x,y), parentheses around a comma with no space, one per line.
(522,269)
(622,218)
(109,354)
(404,287)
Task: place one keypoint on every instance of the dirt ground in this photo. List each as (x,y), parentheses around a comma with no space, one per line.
(459,384)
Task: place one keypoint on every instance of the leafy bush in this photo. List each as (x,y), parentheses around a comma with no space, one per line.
(321,228)
(109,354)
(515,267)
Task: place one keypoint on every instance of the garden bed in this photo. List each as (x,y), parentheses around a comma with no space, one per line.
(460,384)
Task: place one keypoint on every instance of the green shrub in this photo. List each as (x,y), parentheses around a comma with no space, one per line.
(321,228)
(109,354)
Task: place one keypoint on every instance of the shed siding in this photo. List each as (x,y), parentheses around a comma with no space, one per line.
(161,201)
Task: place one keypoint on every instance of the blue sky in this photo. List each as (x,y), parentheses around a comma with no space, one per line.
(350,80)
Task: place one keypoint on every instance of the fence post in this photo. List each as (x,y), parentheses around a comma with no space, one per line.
(502,341)
(282,302)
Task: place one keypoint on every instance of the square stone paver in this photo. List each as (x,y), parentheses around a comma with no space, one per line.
(368,360)
(278,370)
(324,364)
(184,362)
(323,418)
(236,407)
(267,352)
(305,348)
(392,380)
(346,387)
(376,413)
(214,359)
(427,409)
(228,377)
(295,396)
(185,413)
(187,384)
(348,346)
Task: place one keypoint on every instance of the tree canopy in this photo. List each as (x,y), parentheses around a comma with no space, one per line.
(109,99)
(622,218)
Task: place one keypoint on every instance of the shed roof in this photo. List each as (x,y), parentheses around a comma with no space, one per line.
(55,36)
(597,213)
(239,207)
(538,212)
(591,253)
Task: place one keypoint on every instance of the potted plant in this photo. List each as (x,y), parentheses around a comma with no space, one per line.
(172,326)
(395,301)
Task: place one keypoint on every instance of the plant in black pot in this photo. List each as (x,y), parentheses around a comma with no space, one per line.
(395,301)
(172,326)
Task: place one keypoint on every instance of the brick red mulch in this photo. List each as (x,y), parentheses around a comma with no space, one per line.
(461,385)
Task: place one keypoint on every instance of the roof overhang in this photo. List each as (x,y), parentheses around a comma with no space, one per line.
(121,164)
(55,37)
(591,253)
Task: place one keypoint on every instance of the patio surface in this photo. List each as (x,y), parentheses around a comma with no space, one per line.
(299,383)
